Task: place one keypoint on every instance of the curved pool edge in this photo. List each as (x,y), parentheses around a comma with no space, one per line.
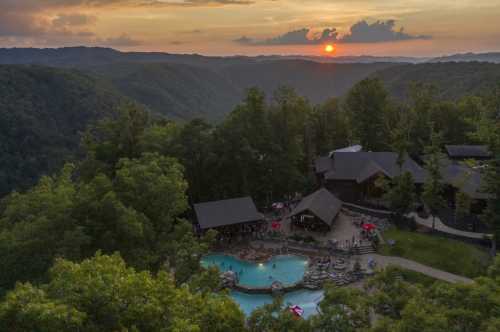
(309,300)
(267,290)
(307,258)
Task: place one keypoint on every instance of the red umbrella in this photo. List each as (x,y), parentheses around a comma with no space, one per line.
(275,225)
(369,227)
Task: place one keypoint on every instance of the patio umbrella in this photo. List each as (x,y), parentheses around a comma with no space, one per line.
(278,205)
(297,311)
(369,227)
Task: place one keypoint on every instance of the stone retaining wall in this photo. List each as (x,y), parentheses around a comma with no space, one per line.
(266,290)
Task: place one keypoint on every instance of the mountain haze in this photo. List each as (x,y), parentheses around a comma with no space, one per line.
(493,57)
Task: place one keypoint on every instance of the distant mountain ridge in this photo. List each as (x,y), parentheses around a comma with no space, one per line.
(183,87)
(493,57)
(186,86)
(92,56)
(346,59)
(95,56)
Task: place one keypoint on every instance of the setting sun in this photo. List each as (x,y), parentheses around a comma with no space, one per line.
(329,48)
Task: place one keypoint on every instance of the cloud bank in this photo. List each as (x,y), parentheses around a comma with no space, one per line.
(361,32)
(68,22)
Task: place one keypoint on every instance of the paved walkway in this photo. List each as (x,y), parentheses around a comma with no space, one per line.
(440,226)
(384,261)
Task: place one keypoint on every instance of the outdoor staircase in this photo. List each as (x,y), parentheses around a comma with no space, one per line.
(364,250)
(397,276)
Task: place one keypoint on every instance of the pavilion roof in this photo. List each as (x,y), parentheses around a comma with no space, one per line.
(322,203)
(226,212)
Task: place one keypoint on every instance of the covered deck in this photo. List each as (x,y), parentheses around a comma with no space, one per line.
(230,217)
(316,212)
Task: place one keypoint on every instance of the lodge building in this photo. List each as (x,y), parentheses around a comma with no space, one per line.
(352,176)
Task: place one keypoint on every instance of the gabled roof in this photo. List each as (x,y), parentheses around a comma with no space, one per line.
(322,203)
(226,212)
(360,166)
(371,170)
(352,148)
(464,178)
(468,151)
(323,164)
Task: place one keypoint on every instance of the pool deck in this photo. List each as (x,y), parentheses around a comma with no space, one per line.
(343,232)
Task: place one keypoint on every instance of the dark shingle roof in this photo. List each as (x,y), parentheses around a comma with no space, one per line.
(468,151)
(359,166)
(226,212)
(464,178)
(323,164)
(322,203)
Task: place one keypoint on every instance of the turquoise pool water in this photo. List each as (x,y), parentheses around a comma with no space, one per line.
(286,269)
(307,300)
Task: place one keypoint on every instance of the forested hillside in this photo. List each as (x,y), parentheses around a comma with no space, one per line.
(452,80)
(316,81)
(42,112)
(184,92)
(177,91)
(183,87)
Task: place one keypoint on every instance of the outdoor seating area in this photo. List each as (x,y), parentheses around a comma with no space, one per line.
(360,219)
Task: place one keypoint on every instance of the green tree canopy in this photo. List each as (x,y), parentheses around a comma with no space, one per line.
(103,294)
(366,104)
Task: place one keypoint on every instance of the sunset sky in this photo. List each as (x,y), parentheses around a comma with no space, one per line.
(251,27)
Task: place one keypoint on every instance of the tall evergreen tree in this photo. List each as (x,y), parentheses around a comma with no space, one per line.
(366,104)
(400,191)
(433,186)
(491,215)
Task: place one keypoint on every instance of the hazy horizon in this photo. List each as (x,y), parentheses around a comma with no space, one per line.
(321,56)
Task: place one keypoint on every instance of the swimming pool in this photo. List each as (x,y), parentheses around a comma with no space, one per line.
(307,300)
(287,269)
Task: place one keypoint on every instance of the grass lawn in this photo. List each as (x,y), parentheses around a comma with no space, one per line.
(438,252)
